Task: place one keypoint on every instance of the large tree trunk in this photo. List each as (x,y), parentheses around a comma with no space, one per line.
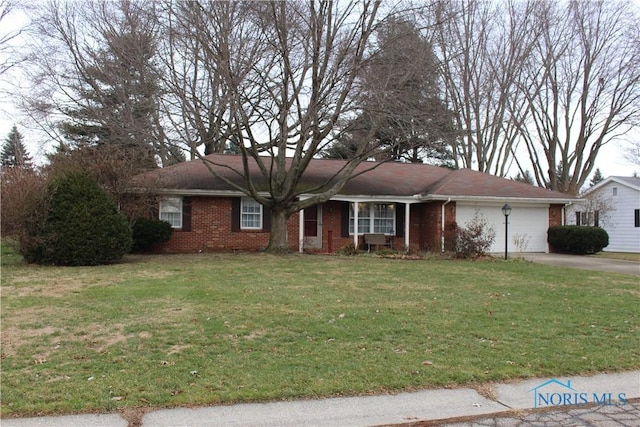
(278,242)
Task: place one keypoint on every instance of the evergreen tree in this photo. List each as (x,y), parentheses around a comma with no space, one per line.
(596,178)
(14,154)
(524,177)
(402,97)
(82,226)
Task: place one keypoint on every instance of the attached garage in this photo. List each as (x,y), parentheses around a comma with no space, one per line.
(526,220)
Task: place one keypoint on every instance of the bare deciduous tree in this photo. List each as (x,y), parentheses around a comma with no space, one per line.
(582,88)
(9,56)
(279,77)
(482,47)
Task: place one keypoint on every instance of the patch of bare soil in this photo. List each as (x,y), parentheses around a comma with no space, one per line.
(134,415)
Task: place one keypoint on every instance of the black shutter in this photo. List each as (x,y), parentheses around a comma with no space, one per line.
(266,218)
(235,214)
(636,219)
(578,218)
(400,210)
(344,220)
(186,214)
(596,218)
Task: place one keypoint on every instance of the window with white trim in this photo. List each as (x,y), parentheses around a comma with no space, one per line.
(171,211)
(377,218)
(250,214)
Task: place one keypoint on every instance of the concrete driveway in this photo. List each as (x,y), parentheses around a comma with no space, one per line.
(586,262)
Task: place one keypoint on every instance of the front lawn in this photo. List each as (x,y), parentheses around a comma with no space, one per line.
(161,331)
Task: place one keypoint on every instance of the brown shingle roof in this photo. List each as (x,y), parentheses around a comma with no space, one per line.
(372,179)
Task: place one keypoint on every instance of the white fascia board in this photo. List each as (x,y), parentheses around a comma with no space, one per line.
(361,198)
(500,199)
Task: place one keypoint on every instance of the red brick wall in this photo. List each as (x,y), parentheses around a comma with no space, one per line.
(211,229)
(555,218)
(555,215)
(431,220)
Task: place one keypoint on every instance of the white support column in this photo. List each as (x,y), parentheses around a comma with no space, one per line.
(407,208)
(355,224)
(301,231)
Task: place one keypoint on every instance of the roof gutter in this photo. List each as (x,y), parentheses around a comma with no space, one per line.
(501,199)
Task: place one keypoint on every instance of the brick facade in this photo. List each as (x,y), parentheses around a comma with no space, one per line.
(211,229)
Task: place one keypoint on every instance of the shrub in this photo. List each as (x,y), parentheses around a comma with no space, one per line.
(149,232)
(82,226)
(575,239)
(349,249)
(24,204)
(475,239)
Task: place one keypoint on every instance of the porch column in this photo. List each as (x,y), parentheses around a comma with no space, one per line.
(355,224)
(301,231)
(407,208)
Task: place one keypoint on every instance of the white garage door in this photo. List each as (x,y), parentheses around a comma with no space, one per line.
(530,223)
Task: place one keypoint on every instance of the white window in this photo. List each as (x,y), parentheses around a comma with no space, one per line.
(384,219)
(374,218)
(171,211)
(250,214)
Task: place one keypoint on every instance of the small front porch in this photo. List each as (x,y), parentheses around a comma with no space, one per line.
(405,224)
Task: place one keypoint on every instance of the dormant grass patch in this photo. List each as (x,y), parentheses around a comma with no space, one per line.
(175,330)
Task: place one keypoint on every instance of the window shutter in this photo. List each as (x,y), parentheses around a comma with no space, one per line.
(266,218)
(186,214)
(235,214)
(344,220)
(636,220)
(578,218)
(400,212)
(596,218)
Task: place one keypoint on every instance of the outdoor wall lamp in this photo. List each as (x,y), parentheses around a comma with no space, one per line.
(506,211)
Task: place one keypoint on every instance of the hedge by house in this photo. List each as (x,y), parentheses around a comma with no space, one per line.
(575,239)
(82,225)
(149,232)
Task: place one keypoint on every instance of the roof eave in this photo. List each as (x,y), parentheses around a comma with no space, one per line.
(541,200)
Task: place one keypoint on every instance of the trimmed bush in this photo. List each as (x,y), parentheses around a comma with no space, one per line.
(573,239)
(475,239)
(149,232)
(82,225)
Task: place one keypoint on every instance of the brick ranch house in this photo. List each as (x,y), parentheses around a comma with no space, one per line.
(412,205)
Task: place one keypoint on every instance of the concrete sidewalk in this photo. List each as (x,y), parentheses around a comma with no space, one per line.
(562,393)
(585,262)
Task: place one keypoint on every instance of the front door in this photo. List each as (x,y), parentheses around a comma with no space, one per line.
(313,227)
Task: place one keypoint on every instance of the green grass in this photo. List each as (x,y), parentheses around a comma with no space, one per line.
(627,256)
(161,331)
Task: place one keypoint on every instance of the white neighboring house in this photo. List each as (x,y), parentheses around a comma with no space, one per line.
(613,204)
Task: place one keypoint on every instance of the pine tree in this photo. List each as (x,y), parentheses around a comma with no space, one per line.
(14,153)
(524,177)
(596,178)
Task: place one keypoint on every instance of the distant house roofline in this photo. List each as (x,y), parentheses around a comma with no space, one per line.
(628,181)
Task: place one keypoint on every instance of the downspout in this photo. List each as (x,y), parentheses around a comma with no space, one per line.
(301,231)
(564,213)
(442,225)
